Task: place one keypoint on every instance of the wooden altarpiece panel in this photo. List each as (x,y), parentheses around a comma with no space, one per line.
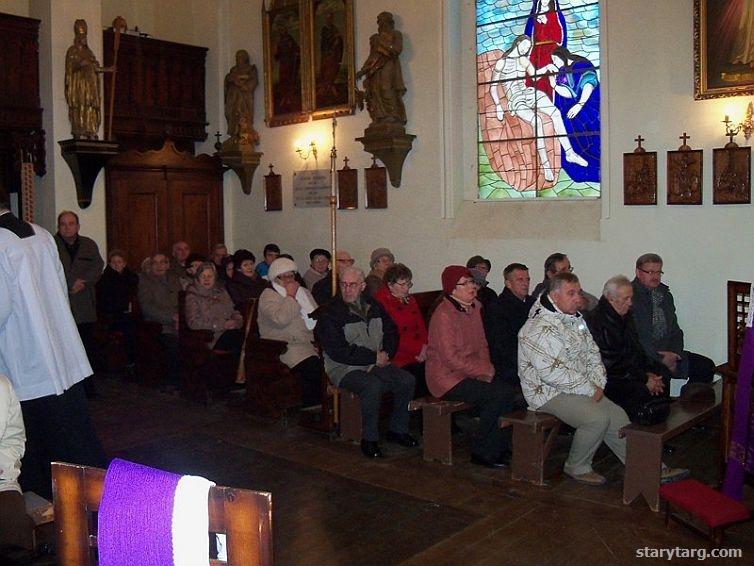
(731,175)
(273,191)
(376,181)
(348,187)
(158,197)
(640,176)
(685,175)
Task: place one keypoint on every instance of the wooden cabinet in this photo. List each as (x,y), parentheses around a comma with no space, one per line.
(155,198)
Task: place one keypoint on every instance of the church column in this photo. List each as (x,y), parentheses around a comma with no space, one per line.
(56,191)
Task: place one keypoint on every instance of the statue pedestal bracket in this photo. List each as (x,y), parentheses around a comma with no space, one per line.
(391,146)
(86,158)
(243,160)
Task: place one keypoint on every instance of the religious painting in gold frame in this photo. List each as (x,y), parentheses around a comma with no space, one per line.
(723,48)
(286,67)
(331,58)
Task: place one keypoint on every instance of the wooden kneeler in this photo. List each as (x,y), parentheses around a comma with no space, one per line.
(715,510)
(437,426)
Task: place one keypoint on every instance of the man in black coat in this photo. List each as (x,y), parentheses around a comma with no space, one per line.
(633,378)
(504,317)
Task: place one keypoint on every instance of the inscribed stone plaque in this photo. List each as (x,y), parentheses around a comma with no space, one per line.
(376,179)
(311,189)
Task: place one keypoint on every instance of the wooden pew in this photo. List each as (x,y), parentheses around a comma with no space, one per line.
(437,422)
(202,369)
(244,516)
(644,446)
(533,436)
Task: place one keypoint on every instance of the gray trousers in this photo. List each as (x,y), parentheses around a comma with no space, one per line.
(370,385)
(594,422)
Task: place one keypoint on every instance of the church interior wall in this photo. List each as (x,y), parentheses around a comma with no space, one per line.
(432,219)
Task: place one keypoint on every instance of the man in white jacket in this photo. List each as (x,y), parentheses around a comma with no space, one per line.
(42,354)
(562,374)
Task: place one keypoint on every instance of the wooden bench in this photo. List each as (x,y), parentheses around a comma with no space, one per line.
(437,421)
(644,446)
(533,436)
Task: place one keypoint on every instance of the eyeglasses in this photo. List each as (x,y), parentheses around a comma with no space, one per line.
(407,284)
(346,285)
(660,272)
(347,261)
(467,283)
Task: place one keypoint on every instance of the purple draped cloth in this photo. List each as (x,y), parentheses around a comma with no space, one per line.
(135,515)
(741,451)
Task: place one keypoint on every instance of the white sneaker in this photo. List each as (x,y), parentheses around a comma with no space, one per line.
(589,478)
(670,475)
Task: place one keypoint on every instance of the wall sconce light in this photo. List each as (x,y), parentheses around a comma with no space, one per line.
(746,127)
(304,154)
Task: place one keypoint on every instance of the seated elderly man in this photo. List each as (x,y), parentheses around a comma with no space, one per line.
(632,377)
(379,261)
(459,367)
(657,324)
(322,290)
(358,341)
(562,374)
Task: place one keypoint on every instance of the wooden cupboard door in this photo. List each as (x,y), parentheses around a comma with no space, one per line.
(195,208)
(137,213)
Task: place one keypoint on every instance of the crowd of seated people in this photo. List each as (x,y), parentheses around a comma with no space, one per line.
(477,348)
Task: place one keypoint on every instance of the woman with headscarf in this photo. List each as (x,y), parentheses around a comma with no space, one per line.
(284,315)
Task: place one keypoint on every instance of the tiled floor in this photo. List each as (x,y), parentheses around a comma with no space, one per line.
(332,506)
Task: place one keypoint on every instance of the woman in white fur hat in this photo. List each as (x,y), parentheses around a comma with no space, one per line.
(284,315)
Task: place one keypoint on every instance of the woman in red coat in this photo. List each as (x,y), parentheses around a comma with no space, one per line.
(412,331)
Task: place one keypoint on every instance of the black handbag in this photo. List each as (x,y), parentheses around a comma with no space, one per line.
(652,412)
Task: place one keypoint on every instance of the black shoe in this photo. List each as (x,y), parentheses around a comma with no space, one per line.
(402,438)
(371,449)
(500,462)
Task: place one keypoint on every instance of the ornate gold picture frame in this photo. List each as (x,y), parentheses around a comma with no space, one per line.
(331,58)
(723,41)
(286,66)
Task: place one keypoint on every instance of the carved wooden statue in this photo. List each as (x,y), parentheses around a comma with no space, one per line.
(82,90)
(240,84)
(383,86)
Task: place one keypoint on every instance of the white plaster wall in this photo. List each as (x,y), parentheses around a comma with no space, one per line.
(648,79)
(15,7)
(647,88)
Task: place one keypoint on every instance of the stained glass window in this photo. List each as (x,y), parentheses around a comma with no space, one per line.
(538,93)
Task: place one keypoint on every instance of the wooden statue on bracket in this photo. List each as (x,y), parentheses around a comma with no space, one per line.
(640,176)
(237,152)
(685,174)
(731,171)
(85,154)
(386,136)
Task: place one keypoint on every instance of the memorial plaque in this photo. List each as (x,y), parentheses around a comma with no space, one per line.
(311,189)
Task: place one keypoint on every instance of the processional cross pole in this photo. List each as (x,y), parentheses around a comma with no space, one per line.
(333,211)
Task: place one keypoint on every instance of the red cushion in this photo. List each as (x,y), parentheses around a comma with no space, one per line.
(712,507)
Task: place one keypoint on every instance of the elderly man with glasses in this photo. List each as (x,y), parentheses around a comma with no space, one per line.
(657,324)
(359,341)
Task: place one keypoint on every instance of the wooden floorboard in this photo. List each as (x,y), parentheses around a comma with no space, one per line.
(333,506)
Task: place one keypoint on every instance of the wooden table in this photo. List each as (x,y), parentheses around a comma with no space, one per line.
(644,447)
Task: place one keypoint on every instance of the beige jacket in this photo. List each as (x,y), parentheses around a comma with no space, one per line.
(280,319)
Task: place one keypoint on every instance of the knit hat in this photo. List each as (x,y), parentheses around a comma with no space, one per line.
(319,251)
(242,255)
(279,266)
(451,275)
(377,254)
